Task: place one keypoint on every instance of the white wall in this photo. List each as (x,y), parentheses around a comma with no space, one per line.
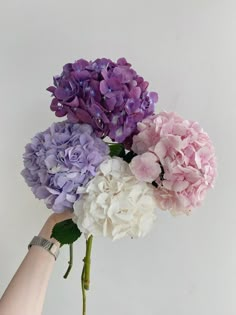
(186,49)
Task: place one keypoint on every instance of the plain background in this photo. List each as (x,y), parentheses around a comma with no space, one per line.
(186,49)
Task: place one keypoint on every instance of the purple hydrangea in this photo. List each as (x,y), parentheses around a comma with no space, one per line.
(109,96)
(60,160)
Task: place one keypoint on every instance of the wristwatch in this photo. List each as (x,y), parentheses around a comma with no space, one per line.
(51,247)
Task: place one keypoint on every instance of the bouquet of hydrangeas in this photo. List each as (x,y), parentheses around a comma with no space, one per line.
(113,161)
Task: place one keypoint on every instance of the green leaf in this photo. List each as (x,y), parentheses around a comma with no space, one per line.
(117,149)
(66,232)
(129,156)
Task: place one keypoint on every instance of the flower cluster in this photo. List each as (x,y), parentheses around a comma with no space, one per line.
(178,157)
(61,159)
(115,204)
(109,96)
(155,160)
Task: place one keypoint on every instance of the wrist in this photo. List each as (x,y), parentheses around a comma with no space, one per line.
(46,231)
(48,245)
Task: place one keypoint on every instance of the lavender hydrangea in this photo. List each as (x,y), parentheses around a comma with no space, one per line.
(109,96)
(60,160)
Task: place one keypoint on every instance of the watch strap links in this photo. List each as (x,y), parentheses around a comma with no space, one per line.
(51,247)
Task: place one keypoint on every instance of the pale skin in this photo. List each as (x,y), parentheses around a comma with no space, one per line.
(25,293)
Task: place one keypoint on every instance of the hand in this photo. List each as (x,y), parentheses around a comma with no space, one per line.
(52,221)
(59,217)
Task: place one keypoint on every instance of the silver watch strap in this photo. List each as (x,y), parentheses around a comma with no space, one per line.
(51,247)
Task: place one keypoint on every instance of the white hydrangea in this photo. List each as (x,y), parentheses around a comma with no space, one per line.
(115,204)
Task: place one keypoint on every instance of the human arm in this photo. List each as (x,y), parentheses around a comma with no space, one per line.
(25,293)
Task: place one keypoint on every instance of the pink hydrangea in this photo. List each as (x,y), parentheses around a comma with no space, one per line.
(145,167)
(178,156)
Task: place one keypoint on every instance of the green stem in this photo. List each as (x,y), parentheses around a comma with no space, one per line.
(70,262)
(85,276)
(87,262)
(83,292)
